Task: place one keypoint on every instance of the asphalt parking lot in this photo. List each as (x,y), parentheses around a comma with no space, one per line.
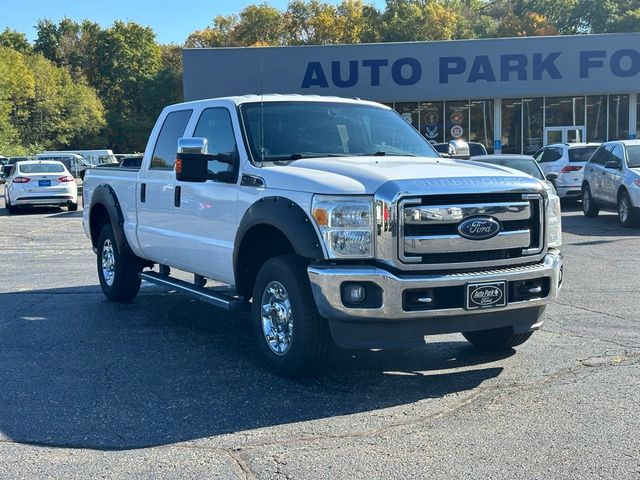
(166,387)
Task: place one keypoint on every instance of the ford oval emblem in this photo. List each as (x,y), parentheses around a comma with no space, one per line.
(479,228)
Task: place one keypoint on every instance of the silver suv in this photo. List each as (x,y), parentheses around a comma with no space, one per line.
(566,161)
(612,181)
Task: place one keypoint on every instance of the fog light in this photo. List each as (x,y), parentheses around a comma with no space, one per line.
(356,294)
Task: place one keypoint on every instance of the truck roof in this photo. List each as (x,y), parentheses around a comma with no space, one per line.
(276,97)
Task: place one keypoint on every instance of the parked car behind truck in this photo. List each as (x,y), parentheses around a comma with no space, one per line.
(331,220)
(612,181)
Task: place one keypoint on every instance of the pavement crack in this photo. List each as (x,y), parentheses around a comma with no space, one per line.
(591,310)
(586,337)
(245,470)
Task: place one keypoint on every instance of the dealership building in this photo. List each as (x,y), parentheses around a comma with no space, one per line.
(513,95)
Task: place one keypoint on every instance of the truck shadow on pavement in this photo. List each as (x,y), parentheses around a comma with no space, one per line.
(78,371)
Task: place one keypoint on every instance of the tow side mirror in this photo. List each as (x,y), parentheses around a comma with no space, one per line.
(612,164)
(192,160)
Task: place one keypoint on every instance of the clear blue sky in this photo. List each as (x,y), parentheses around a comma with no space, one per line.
(172,21)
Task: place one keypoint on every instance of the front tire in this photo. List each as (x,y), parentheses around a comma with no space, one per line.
(626,215)
(589,207)
(119,273)
(291,336)
(496,339)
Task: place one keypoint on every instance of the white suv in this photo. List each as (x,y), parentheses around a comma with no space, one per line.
(612,181)
(566,161)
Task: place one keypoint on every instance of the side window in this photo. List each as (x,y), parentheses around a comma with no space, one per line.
(617,154)
(557,154)
(600,156)
(215,125)
(539,154)
(164,153)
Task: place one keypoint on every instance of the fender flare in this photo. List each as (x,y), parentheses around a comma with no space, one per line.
(105,195)
(288,217)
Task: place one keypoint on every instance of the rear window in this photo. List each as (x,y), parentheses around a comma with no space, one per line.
(581,154)
(633,156)
(42,168)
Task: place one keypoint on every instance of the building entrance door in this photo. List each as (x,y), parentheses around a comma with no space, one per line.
(564,135)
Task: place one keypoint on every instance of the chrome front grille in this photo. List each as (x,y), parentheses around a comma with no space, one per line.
(428,230)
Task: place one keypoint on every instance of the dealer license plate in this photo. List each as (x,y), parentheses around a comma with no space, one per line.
(44,183)
(486,295)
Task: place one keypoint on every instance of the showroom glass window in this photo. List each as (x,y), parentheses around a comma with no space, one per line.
(512,125)
(532,125)
(409,111)
(597,118)
(618,117)
(456,120)
(432,121)
(564,111)
(481,123)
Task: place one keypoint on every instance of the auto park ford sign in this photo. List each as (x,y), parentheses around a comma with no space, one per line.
(583,64)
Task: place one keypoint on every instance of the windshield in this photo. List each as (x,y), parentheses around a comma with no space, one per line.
(293,130)
(581,154)
(633,156)
(42,168)
(527,166)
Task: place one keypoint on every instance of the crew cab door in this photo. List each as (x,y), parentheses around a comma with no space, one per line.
(155,191)
(595,171)
(205,220)
(613,176)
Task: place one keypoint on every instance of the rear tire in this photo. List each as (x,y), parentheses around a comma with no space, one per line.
(72,207)
(119,273)
(7,204)
(291,336)
(627,216)
(589,207)
(496,339)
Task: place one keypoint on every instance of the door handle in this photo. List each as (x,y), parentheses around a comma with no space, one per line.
(176,195)
(143,192)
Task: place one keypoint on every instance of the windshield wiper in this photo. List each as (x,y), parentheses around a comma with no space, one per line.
(298,156)
(382,153)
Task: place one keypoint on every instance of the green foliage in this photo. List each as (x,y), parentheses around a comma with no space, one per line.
(42,107)
(15,40)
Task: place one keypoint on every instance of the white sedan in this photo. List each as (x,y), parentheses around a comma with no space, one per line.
(42,182)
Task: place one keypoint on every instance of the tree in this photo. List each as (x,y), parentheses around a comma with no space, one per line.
(258,25)
(10,38)
(218,35)
(16,88)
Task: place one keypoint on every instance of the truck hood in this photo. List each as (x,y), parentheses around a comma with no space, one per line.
(365,175)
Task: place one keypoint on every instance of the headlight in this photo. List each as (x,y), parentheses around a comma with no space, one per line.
(346,224)
(554,232)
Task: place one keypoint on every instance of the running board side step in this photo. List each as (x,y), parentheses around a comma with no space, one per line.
(217,299)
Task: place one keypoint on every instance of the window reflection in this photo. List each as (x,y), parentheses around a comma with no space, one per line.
(512,125)
(564,111)
(618,117)
(597,118)
(532,125)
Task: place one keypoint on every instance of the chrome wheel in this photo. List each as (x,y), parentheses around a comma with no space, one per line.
(108,262)
(277,318)
(623,209)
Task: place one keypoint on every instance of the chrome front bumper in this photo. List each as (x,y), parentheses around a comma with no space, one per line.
(326,284)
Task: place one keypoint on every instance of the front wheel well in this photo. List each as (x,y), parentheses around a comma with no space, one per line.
(259,244)
(621,190)
(98,218)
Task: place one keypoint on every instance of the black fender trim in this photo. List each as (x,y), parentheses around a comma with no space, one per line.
(105,195)
(286,216)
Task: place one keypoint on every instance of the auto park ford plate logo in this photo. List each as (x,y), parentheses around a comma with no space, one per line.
(486,295)
(479,228)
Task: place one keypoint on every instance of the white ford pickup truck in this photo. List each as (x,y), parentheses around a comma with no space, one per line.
(330,220)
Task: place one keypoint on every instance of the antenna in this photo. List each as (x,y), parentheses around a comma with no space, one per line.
(261,109)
